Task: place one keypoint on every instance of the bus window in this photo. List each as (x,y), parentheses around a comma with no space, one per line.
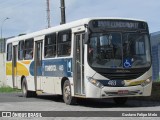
(9,52)
(28,51)
(50,46)
(140,47)
(64,43)
(21,50)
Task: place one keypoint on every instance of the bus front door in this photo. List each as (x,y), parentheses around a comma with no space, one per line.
(79,65)
(14,67)
(38,65)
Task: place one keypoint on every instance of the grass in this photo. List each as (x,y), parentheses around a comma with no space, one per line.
(6,89)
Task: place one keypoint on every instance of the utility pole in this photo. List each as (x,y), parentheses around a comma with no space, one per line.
(48,14)
(2,40)
(63,16)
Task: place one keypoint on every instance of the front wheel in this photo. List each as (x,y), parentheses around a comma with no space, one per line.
(121,100)
(67,97)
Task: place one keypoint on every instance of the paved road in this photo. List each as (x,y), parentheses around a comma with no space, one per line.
(15,102)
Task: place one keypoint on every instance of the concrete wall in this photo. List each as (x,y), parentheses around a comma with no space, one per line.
(2,69)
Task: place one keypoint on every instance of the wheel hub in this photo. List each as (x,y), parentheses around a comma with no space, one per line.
(67,92)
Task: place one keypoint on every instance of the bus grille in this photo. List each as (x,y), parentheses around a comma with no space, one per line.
(122,76)
(136,92)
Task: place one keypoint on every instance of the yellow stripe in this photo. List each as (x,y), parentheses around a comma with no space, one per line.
(132,82)
(9,68)
(26,62)
(21,69)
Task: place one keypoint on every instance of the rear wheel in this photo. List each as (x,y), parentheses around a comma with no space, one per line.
(25,91)
(67,97)
(121,100)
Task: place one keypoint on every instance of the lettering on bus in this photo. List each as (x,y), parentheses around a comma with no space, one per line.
(54,68)
(61,68)
(119,24)
(50,68)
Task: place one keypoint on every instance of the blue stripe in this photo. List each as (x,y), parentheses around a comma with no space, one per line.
(53,67)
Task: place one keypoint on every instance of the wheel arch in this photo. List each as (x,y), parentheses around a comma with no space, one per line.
(22,80)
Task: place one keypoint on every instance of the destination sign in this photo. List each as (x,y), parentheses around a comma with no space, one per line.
(123,24)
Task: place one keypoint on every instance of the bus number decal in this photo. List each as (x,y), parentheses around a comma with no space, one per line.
(50,68)
(112,82)
(61,68)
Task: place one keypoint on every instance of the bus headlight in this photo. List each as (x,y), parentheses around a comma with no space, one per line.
(146,82)
(95,82)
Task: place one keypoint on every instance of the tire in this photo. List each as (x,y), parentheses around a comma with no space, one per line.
(67,97)
(26,93)
(120,101)
(33,93)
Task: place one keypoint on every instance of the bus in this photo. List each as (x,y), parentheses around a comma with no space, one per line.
(87,58)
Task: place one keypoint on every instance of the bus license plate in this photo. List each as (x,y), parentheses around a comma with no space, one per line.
(122,92)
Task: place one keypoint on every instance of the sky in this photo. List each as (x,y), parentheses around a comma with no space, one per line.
(26,16)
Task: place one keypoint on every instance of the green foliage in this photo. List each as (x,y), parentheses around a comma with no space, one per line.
(7,89)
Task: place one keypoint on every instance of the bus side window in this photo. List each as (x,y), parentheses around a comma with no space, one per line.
(21,50)
(50,46)
(64,43)
(9,52)
(28,51)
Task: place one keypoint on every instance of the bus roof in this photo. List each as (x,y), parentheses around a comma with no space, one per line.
(65,26)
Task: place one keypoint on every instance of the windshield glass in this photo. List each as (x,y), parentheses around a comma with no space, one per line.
(117,50)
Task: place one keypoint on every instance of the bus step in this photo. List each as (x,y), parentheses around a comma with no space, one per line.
(39,92)
(80,95)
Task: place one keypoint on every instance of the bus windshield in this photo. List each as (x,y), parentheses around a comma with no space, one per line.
(119,50)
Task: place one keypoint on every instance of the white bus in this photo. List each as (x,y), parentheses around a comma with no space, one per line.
(88,58)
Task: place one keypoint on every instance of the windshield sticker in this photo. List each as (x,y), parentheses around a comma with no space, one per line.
(127,63)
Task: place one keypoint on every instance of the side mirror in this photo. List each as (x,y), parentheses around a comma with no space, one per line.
(86,38)
(87,32)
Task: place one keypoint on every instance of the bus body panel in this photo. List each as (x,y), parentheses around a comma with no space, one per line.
(48,85)
(30,83)
(147,90)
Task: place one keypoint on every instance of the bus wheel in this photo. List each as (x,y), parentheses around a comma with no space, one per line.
(25,91)
(67,97)
(121,100)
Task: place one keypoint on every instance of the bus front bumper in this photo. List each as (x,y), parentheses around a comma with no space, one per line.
(111,92)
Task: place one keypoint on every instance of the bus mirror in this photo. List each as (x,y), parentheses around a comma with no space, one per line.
(86,38)
(87,33)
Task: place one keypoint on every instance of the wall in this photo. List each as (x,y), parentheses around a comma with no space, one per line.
(2,69)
